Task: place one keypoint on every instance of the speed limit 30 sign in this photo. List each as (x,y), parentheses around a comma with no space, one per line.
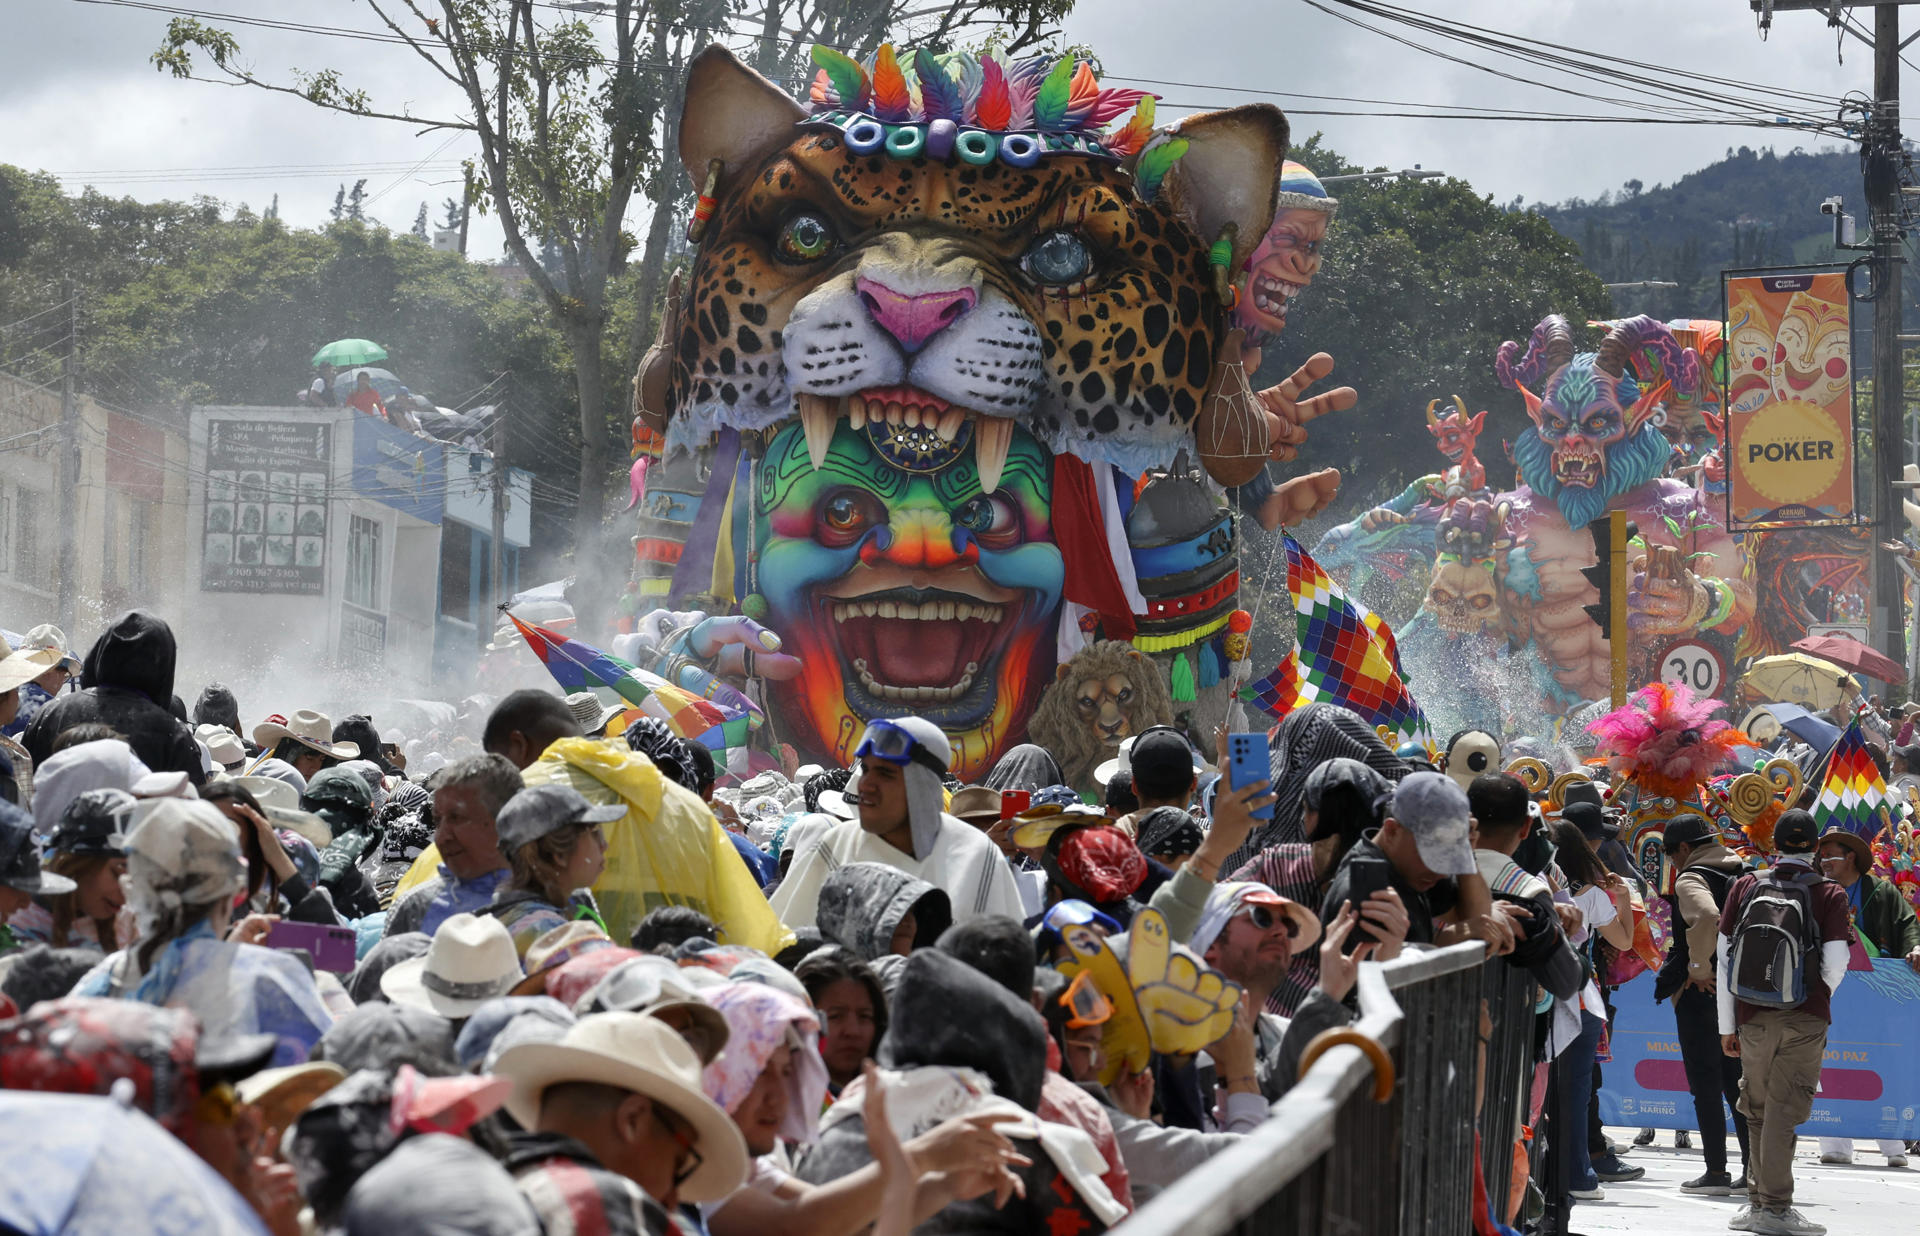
(1695,665)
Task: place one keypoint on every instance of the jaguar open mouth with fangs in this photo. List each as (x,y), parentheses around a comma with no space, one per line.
(934,652)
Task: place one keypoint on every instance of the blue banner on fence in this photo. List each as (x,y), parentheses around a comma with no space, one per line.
(1869,1080)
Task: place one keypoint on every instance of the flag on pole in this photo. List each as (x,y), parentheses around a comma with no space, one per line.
(579,666)
(1343,654)
(1854,794)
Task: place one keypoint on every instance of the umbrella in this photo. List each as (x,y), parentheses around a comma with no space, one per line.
(1850,653)
(1800,679)
(382,380)
(1816,732)
(80,1165)
(343,352)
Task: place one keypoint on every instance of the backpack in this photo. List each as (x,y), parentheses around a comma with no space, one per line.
(1774,941)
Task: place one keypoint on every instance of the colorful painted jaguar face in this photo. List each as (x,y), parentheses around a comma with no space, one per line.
(905,587)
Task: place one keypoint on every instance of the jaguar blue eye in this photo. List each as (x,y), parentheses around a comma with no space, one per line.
(1059,257)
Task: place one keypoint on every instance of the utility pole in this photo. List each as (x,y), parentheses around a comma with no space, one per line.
(466,208)
(498,436)
(69,471)
(1884,153)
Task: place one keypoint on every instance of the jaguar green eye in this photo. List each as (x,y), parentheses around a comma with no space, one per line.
(1059,257)
(805,238)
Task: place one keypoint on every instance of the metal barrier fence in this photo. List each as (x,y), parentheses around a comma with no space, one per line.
(1374,1142)
(1510,992)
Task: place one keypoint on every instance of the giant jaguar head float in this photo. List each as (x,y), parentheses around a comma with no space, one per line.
(928,310)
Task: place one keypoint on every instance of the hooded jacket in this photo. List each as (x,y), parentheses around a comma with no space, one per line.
(127,683)
(862,905)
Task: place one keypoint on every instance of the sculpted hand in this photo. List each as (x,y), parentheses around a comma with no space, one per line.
(1300,499)
(694,651)
(1288,414)
(1657,605)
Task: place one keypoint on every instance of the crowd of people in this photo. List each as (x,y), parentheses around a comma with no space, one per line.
(524,992)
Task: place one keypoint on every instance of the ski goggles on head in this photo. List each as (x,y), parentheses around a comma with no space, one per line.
(889,742)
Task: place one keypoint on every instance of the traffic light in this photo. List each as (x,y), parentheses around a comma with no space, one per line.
(1609,574)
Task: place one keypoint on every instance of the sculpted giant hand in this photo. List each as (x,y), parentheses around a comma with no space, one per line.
(1287,413)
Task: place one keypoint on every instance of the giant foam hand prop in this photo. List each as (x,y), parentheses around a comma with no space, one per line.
(1163,999)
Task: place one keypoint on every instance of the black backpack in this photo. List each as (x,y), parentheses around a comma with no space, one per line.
(1774,941)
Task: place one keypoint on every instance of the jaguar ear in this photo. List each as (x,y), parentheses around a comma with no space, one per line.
(1230,173)
(732,114)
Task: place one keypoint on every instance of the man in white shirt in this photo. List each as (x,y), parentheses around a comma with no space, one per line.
(898,790)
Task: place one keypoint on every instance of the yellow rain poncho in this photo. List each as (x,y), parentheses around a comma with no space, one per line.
(667,851)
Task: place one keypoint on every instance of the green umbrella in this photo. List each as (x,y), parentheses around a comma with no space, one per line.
(345,353)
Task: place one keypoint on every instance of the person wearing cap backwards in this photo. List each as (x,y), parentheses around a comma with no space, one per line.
(1422,850)
(21,878)
(1886,920)
(1780,1049)
(87,847)
(901,765)
(1706,872)
(556,849)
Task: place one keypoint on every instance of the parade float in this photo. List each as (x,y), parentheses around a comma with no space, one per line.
(953,389)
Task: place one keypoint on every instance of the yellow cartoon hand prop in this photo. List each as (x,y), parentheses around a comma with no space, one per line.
(1184,1005)
(1124,1036)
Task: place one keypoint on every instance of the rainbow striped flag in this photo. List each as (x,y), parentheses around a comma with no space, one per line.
(1854,794)
(1343,654)
(578,666)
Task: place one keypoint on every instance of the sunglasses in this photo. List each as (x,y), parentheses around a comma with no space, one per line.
(687,1159)
(1084,1004)
(1265,918)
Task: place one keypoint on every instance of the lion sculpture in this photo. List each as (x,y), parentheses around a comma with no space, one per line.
(1108,692)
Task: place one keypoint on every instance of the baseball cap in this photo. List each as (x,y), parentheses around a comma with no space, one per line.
(1796,832)
(1688,829)
(94,823)
(541,809)
(1161,755)
(1590,820)
(1433,809)
(1227,900)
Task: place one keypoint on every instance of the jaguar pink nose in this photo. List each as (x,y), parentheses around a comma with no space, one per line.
(913,319)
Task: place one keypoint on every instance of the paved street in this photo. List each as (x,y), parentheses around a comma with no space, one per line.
(1861,1200)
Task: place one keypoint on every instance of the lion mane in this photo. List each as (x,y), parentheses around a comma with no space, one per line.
(1058,726)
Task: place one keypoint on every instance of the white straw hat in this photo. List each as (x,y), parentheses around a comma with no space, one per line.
(470,961)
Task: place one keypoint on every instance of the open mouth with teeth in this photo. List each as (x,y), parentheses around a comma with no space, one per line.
(912,429)
(935,650)
(1270,294)
(1580,469)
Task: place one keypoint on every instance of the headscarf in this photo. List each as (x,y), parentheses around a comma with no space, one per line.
(1099,864)
(1307,738)
(1348,797)
(669,753)
(1168,832)
(760,1019)
(1025,767)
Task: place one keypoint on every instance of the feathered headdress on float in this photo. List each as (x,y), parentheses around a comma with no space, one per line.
(1665,741)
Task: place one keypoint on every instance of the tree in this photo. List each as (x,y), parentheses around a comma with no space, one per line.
(451,210)
(339,210)
(273,211)
(573,119)
(420,224)
(356,202)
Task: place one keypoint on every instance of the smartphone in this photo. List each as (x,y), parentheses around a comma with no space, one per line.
(1248,762)
(1365,877)
(331,948)
(1013,802)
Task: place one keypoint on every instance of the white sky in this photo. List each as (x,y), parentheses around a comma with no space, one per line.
(79,96)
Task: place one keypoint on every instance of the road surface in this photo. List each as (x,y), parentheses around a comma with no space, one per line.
(1861,1200)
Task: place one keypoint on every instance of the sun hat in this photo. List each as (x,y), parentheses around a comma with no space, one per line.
(976,804)
(223,745)
(280,803)
(470,961)
(282,1094)
(94,823)
(21,668)
(648,984)
(590,712)
(181,851)
(538,810)
(1855,844)
(313,730)
(47,638)
(1433,809)
(631,1051)
(1227,900)
(556,948)
(165,785)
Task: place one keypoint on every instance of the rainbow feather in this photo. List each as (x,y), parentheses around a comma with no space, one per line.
(1154,163)
(843,74)
(939,94)
(891,98)
(994,110)
(1106,105)
(1023,84)
(1055,94)
(1130,137)
(971,79)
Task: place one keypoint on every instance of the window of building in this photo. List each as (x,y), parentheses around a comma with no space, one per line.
(456,570)
(363,563)
(33,562)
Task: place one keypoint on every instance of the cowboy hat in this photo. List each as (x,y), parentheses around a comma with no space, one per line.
(51,642)
(975,803)
(313,730)
(222,744)
(556,948)
(1855,844)
(470,961)
(21,668)
(642,1054)
(590,712)
(283,1093)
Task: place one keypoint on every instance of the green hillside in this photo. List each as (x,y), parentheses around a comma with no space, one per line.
(1752,208)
